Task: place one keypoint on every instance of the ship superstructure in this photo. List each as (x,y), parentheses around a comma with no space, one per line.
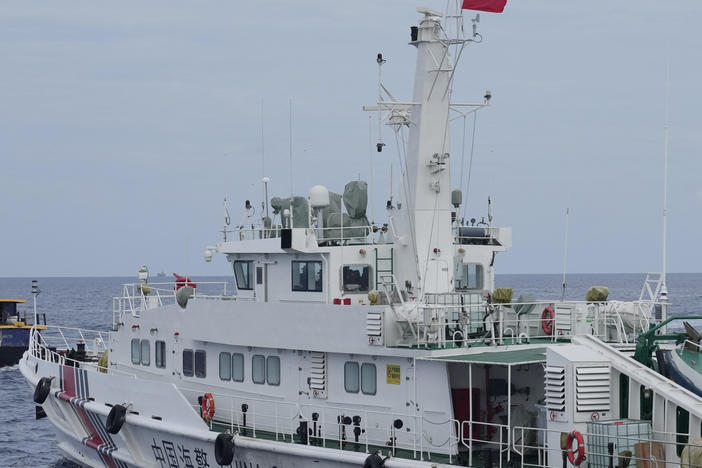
(346,343)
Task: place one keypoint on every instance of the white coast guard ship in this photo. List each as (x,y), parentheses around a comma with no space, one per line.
(347,344)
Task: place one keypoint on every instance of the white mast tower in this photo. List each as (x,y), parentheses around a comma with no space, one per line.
(421,221)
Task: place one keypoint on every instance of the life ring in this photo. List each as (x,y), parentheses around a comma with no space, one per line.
(41,392)
(208,408)
(116,418)
(224,449)
(577,456)
(548,317)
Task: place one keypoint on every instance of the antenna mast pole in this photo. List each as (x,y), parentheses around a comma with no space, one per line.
(291,164)
(370,148)
(565,255)
(664,287)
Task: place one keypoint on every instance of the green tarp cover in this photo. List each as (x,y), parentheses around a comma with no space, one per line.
(597,294)
(300,210)
(356,198)
(502,295)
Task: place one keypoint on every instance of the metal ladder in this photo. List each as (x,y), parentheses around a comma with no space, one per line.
(381,273)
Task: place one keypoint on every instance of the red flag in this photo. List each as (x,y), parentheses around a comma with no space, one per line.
(491,6)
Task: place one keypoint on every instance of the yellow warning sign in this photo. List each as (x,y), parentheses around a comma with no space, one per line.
(392,372)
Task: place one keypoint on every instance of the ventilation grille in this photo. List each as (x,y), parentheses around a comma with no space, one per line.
(592,389)
(374,326)
(555,388)
(318,374)
(564,320)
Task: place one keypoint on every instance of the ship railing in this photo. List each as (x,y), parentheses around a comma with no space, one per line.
(242,233)
(325,235)
(331,426)
(137,298)
(356,428)
(620,443)
(495,442)
(60,345)
(247,415)
(440,321)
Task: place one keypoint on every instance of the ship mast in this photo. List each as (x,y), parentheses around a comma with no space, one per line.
(421,220)
(428,177)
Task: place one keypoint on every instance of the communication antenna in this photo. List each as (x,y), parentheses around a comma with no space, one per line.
(264,179)
(390,185)
(370,148)
(291,164)
(664,260)
(227,219)
(380,60)
(565,255)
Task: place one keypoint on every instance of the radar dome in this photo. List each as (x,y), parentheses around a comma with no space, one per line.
(319,197)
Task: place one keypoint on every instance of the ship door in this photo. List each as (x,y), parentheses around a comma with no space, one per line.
(261,281)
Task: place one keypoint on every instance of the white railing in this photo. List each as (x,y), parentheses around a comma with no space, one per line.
(137,298)
(331,426)
(345,234)
(496,441)
(602,449)
(74,347)
(434,323)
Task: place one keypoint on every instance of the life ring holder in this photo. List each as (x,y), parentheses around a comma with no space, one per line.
(208,407)
(577,456)
(548,320)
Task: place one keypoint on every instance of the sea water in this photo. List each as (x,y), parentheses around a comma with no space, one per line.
(87,303)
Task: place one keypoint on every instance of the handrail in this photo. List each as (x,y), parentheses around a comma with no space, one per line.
(437,321)
(40,348)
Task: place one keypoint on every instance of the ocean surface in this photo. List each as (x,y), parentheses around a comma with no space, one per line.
(87,303)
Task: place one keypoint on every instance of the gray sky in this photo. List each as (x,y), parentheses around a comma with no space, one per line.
(124,124)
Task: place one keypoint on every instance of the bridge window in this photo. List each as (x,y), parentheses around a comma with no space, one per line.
(225,366)
(145,352)
(258,369)
(238,367)
(136,351)
(356,278)
(273,370)
(468,276)
(161,354)
(188,363)
(307,276)
(368,379)
(351,378)
(200,363)
(243,272)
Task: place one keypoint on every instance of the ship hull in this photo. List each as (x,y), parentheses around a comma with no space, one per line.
(80,401)
(13,343)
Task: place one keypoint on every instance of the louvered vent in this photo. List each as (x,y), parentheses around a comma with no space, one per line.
(318,374)
(564,320)
(592,389)
(374,326)
(555,388)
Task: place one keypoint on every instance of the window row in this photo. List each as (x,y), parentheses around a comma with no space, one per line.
(365,378)
(306,276)
(263,369)
(195,363)
(141,353)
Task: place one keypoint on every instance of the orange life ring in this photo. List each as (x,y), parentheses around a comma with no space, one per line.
(577,456)
(208,407)
(548,317)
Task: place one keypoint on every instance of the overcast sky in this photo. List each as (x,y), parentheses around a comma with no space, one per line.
(124,124)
